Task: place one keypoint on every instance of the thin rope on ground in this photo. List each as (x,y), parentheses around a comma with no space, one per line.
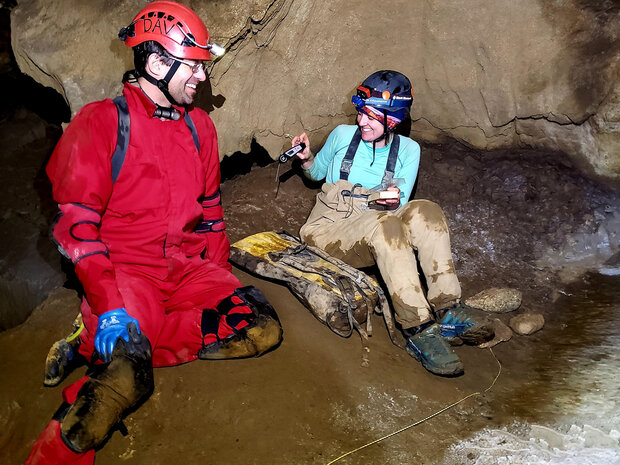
(439,412)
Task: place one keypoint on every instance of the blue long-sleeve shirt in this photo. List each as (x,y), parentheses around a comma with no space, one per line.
(365,170)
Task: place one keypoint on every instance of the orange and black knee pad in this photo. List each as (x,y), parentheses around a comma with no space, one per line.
(243,324)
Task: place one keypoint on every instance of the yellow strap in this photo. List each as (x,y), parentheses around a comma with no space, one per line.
(76,333)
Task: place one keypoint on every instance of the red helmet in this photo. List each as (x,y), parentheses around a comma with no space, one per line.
(176,27)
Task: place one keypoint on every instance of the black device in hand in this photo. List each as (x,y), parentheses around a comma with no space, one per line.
(290,153)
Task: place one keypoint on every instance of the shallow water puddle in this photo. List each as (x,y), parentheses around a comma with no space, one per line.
(567,412)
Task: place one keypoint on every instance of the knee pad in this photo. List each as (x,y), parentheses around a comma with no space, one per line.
(243,325)
(110,391)
(51,448)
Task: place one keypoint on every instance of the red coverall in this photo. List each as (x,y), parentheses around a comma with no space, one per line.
(153,242)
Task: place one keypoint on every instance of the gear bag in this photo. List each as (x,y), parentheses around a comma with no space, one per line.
(338,295)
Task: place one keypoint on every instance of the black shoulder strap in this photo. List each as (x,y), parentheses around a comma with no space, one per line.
(347,161)
(391,162)
(122,136)
(192,128)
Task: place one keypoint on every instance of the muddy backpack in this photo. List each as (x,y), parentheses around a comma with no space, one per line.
(338,295)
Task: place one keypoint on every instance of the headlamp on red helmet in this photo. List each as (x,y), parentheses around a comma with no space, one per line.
(176,27)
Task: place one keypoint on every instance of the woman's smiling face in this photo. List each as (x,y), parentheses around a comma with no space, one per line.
(370,127)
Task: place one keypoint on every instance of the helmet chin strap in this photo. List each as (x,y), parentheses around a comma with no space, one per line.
(385,134)
(170,112)
(162,84)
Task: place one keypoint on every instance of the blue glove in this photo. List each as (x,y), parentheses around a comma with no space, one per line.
(112,325)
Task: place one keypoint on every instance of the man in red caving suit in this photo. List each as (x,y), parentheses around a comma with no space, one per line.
(137,183)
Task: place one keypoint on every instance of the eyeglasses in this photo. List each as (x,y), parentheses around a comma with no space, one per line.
(195,67)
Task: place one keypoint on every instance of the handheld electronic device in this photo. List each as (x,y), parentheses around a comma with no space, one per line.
(290,153)
(380,195)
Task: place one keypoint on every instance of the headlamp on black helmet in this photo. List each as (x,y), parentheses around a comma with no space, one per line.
(387,90)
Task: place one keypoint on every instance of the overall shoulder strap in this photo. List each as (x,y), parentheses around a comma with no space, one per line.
(391,162)
(122,136)
(347,161)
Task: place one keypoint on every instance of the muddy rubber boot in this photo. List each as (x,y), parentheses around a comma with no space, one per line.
(109,393)
(63,357)
(434,352)
(244,325)
(466,324)
(51,448)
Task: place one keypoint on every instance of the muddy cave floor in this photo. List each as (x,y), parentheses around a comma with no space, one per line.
(310,400)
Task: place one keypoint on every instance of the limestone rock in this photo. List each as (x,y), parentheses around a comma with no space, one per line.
(489,74)
(496,300)
(527,323)
(28,269)
(502,334)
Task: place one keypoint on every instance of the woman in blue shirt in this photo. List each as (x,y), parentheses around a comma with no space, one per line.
(363,217)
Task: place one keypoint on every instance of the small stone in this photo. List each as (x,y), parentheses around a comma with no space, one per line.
(502,334)
(496,300)
(527,323)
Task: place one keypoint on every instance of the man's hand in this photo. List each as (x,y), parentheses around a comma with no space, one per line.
(112,325)
(305,155)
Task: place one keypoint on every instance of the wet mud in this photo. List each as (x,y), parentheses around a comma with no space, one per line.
(311,400)
(518,218)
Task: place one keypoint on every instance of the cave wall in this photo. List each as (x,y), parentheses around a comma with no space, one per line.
(489,73)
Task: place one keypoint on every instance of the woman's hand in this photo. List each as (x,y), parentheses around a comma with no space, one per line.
(306,156)
(393,203)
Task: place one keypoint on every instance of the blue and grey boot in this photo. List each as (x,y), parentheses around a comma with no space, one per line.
(465,323)
(434,352)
